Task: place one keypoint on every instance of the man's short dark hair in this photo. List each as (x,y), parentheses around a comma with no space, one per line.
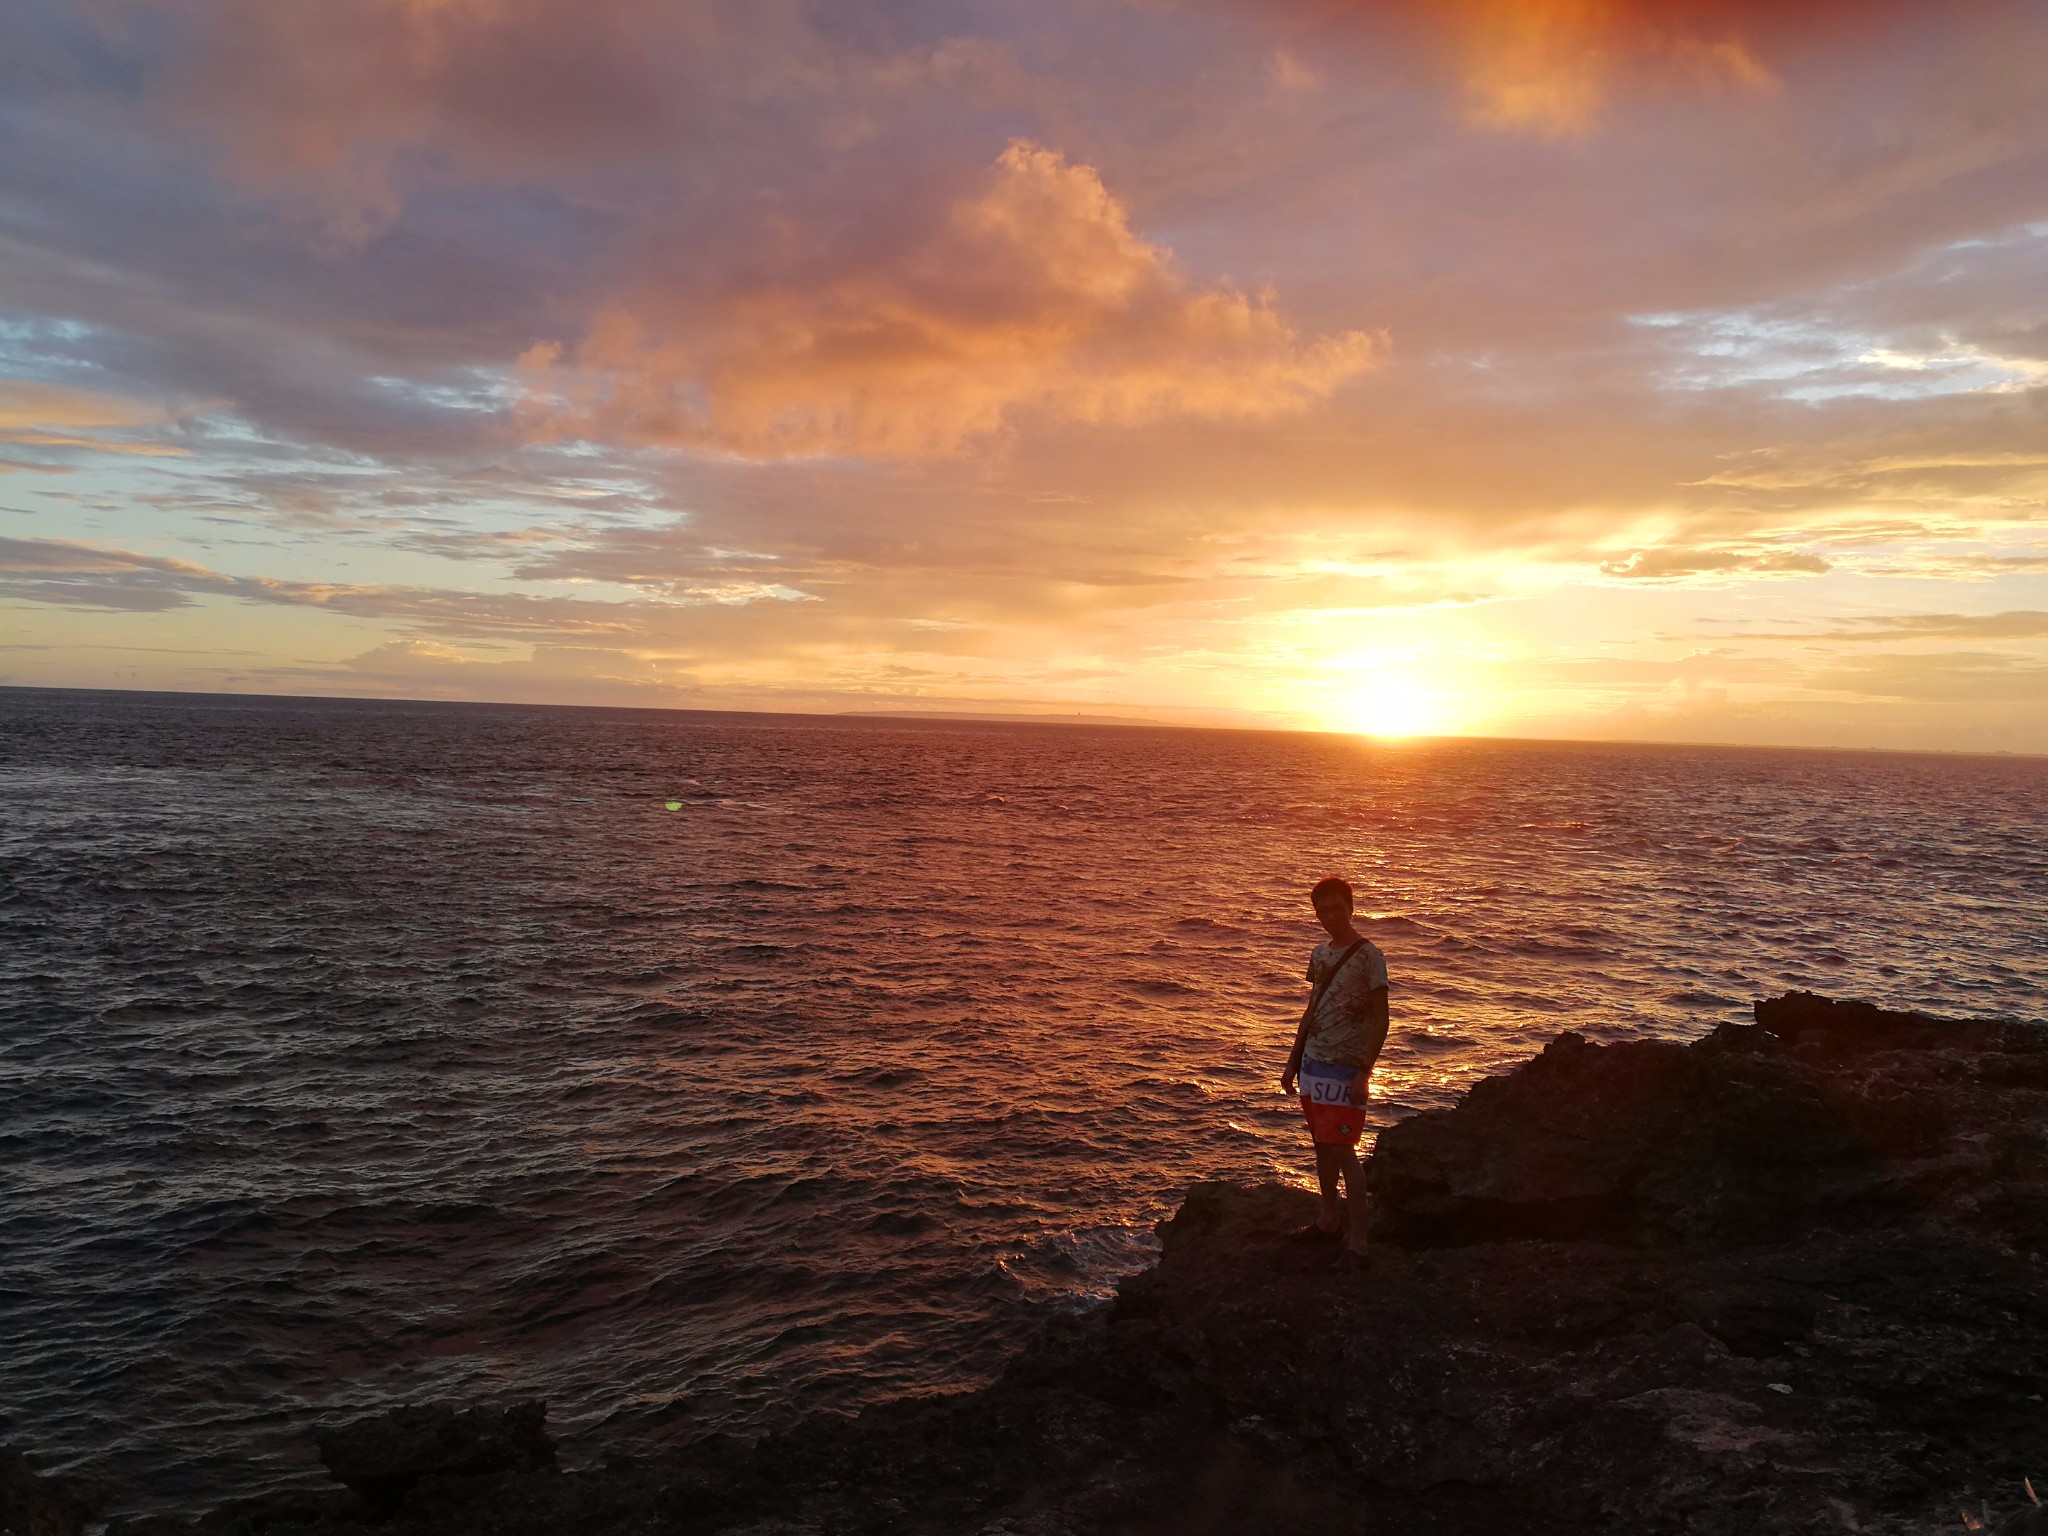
(1331,887)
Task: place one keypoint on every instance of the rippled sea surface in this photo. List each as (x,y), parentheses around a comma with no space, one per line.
(359,1052)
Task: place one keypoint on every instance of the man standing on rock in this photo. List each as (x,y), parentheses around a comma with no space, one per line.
(1342,1031)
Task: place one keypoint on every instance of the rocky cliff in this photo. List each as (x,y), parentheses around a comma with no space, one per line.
(1787,1278)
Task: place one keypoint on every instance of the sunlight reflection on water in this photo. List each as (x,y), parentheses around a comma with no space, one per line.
(357,1051)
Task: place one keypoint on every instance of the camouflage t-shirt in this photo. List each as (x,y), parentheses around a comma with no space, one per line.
(1341,1029)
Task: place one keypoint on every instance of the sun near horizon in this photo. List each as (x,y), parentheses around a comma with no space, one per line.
(1394,708)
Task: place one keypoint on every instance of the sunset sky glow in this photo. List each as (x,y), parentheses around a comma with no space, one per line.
(1577,368)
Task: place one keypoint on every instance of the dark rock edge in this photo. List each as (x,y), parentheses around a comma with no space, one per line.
(1787,1278)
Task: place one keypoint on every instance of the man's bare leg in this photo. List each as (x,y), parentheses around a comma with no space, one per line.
(1329,1168)
(1354,1192)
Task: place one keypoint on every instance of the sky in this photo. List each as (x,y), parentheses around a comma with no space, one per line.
(1602,369)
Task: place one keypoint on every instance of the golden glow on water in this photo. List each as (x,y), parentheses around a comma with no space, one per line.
(953,915)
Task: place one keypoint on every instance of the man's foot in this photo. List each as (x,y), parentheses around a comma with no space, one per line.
(1351,1261)
(1314,1232)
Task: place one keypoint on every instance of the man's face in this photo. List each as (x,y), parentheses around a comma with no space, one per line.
(1334,913)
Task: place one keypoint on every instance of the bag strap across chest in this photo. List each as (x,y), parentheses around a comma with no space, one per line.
(1329,976)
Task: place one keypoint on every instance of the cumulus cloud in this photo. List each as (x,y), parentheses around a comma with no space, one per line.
(1032,295)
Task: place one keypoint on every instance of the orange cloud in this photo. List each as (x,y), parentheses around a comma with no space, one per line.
(1545,64)
(1550,65)
(1033,295)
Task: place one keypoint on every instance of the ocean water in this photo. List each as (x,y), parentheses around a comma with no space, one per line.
(353,1053)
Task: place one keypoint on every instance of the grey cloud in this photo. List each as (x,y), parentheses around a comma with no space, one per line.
(1698,670)
(18,556)
(417,668)
(139,592)
(1986,677)
(52,571)
(42,570)
(1949,564)
(432,513)
(2016,624)
(679,554)
(2020,624)
(1669,564)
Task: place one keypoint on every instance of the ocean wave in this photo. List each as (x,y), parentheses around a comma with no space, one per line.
(354,1053)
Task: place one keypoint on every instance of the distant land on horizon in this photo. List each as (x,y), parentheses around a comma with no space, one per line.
(1023,717)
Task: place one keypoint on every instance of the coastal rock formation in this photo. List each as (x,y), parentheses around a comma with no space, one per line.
(1789,1278)
(32,1504)
(384,1458)
(1821,1114)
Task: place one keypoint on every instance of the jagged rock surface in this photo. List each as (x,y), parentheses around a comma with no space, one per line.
(32,1504)
(1787,1279)
(1826,1114)
(384,1458)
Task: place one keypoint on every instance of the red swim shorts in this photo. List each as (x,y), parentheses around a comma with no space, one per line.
(1333,1099)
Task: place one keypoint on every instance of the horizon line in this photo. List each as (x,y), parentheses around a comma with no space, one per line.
(1070,720)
